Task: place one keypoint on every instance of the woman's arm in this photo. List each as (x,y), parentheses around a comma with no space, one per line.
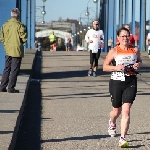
(138,64)
(107,62)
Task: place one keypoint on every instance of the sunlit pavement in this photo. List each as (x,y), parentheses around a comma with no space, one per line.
(75,107)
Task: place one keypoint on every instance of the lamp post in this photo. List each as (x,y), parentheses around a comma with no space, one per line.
(43,12)
(80,23)
(80,33)
(96,2)
(87,10)
(80,26)
(87,14)
(86,19)
(40,18)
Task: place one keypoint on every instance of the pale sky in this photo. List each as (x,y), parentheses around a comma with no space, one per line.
(71,9)
(74,9)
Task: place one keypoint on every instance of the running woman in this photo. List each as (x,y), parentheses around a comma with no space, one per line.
(94,37)
(123,60)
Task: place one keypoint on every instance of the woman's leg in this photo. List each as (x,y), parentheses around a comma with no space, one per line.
(114,114)
(112,122)
(125,121)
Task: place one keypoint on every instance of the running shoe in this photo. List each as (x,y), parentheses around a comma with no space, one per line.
(112,129)
(94,74)
(123,143)
(90,72)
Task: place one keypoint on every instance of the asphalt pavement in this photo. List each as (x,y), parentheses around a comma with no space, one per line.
(75,107)
(70,110)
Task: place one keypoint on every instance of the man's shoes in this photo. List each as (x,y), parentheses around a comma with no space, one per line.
(13,91)
(90,72)
(94,74)
(3,90)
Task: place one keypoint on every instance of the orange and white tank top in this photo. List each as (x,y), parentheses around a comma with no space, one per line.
(126,57)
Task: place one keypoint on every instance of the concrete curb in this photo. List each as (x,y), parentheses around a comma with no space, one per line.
(16,129)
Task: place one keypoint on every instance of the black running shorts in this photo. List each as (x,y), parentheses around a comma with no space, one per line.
(94,57)
(123,91)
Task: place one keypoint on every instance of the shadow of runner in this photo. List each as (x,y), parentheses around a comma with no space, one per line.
(71,74)
(76,138)
(137,146)
(30,126)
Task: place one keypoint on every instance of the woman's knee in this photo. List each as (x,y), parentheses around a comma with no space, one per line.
(116,111)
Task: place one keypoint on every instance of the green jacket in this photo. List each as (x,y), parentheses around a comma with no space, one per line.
(13,34)
(52,37)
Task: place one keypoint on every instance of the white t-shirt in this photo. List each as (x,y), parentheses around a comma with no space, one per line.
(148,36)
(95,36)
(66,39)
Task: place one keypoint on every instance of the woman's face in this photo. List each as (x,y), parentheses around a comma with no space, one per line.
(123,37)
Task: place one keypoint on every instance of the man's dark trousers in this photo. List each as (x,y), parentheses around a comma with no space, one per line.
(10,73)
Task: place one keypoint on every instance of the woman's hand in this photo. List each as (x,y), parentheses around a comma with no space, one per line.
(136,66)
(120,67)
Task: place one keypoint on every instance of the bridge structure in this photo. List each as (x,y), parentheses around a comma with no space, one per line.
(58,33)
(112,15)
(115,13)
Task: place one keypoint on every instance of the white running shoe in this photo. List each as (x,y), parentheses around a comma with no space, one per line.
(90,72)
(112,129)
(123,143)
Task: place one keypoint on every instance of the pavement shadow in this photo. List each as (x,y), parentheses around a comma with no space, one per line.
(70,74)
(25,72)
(6,132)
(29,134)
(79,95)
(137,146)
(143,93)
(143,133)
(65,54)
(81,73)
(144,69)
(92,137)
(9,111)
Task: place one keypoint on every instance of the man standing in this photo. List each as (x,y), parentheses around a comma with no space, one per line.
(13,36)
(52,38)
(94,37)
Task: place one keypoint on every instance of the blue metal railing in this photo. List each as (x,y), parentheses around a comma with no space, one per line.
(127,13)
